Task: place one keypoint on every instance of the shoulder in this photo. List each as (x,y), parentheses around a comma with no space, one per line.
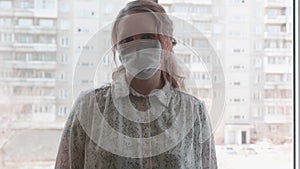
(94,91)
(188,97)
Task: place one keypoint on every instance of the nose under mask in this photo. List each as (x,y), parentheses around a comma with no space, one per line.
(141,58)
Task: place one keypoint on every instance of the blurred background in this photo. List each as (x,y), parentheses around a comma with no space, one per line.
(41,41)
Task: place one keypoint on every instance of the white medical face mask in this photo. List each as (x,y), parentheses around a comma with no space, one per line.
(141,57)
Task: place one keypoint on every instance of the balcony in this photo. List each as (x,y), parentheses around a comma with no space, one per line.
(277,119)
(31,47)
(6,12)
(278,68)
(45,117)
(20,12)
(281,19)
(34,29)
(34,99)
(277,3)
(278,101)
(278,85)
(18,81)
(278,51)
(201,84)
(29,64)
(278,35)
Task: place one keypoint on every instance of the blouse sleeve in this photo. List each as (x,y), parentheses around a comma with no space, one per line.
(209,160)
(71,149)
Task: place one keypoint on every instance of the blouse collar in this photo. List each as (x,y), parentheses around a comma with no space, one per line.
(121,89)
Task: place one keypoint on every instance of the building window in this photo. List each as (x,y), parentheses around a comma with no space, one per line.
(108,8)
(197,59)
(64,24)
(106,60)
(45,4)
(5,21)
(202,26)
(64,59)
(25,4)
(258,46)
(180,8)
(237,2)
(64,41)
(46,23)
(186,58)
(63,93)
(6,37)
(63,76)
(237,18)
(200,43)
(63,110)
(25,22)
(64,7)
(5,4)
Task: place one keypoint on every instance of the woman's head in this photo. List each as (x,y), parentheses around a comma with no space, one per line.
(144,19)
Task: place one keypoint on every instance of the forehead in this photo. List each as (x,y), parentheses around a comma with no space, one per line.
(136,24)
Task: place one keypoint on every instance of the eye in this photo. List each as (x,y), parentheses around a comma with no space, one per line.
(148,36)
(126,40)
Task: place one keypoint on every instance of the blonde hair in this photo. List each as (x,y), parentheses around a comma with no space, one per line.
(165,29)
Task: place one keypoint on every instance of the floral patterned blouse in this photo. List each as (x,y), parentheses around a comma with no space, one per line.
(115,127)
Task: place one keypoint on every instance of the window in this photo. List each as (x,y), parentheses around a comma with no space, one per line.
(46,23)
(108,8)
(63,76)
(202,26)
(273,12)
(258,46)
(63,93)
(64,7)
(200,43)
(274,28)
(25,39)
(180,8)
(201,9)
(25,4)
(108,77)
(237,2)
(45,4)
(48,75)
(64,24)
(217,29)
(63,110)
(25,22)
(237,50)
(64,59)
(5,21)
(186,58)
(64,41)
(5,4)
(6,37)
(106,60)
(258,30)
(238,18)
(84,81)
(197,59)
(258,62)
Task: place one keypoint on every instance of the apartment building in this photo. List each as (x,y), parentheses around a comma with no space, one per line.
(277,71)
(253,41)
(35,76)
(44,43)
(30,41)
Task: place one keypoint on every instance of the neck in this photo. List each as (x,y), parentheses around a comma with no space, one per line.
(145,86)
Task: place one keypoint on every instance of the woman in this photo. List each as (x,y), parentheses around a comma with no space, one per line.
(142,119)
